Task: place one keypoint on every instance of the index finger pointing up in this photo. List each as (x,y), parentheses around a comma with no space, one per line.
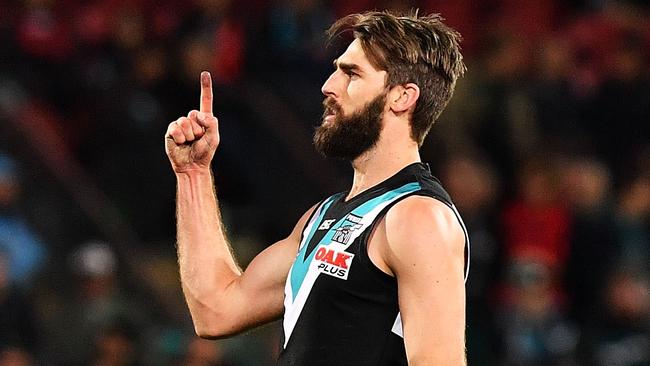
(206,92)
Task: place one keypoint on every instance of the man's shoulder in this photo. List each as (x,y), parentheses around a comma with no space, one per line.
(420,209)
(415,219)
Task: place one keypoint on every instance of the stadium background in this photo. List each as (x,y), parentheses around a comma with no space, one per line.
(545,149)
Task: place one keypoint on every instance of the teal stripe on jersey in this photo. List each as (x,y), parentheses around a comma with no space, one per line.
(300,267)
(366,207)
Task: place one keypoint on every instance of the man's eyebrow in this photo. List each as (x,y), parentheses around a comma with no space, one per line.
(346,67)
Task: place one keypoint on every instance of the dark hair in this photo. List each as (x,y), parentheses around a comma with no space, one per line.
(412,49)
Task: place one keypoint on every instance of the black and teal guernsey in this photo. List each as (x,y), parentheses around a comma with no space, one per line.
(340,309)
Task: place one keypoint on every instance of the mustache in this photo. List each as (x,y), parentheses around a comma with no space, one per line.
(330,106)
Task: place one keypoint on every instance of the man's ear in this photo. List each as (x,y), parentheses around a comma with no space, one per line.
(404,97)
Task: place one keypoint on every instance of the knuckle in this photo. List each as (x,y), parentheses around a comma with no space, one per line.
(184,122)
(172,128)
(176,133)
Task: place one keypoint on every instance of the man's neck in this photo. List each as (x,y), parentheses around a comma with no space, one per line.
(380,163)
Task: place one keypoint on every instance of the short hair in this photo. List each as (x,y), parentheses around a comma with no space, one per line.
(411,49)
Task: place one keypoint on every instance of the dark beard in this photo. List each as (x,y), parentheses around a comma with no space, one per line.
(347,137)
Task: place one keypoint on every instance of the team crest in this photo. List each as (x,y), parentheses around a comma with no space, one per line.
(344,232)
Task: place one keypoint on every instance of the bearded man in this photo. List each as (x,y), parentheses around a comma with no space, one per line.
(371,276)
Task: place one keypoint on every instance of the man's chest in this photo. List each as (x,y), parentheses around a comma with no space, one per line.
(333,252)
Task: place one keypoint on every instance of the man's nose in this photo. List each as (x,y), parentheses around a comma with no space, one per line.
(329,87)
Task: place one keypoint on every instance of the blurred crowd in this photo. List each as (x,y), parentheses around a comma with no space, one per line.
(545,149)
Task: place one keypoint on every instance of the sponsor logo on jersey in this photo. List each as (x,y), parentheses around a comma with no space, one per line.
(333,262)
(326,224)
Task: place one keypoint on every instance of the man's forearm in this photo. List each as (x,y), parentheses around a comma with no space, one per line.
(205,259)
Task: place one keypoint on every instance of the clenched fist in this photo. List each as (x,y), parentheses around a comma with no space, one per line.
(190,142)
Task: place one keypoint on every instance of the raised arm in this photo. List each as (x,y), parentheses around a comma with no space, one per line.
(425,251)
(222,300)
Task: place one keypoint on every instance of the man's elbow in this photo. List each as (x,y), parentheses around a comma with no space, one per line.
(442,357)
(210,333)
(214,328)
(427,361)
(212,321)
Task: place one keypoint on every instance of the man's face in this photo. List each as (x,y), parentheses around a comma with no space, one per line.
(353,108)
(347,137)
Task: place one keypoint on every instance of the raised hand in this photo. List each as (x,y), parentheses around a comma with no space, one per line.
(190,142)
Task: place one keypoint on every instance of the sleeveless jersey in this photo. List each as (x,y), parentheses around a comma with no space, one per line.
(340,309)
